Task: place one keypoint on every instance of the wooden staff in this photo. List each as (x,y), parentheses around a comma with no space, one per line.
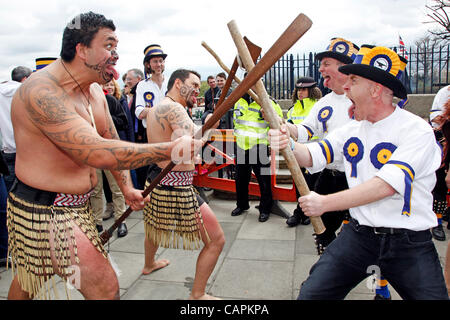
(296,29)
(231,73)
(274,122)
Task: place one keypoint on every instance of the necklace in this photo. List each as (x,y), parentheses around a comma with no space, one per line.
(89,108)
(89,103)
(170,98)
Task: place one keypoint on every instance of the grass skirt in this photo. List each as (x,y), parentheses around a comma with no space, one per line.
(30,229)
(170,217)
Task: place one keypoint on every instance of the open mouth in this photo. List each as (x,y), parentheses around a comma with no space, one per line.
(326,79)
(110,70)
(351,109)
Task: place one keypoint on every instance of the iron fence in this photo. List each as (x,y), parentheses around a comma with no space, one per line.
(426,72)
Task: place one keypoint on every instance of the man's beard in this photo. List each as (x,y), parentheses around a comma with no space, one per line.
(100,69)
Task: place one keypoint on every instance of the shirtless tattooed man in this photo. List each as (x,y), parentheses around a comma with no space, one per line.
(176,216)
(63,131)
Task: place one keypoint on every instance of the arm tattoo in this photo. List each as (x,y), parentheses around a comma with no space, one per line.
(49,108)
(176,117)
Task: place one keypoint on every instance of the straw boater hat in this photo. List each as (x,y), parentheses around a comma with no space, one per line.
(305,82)
(379,64)
(340,49)
(153,50)
(43,62)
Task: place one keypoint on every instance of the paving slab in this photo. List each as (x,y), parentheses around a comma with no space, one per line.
(260,261)
(275,250)
(254,279)
(275,230)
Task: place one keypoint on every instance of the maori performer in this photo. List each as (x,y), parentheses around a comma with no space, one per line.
(64,131)
(176,216)
(390,157)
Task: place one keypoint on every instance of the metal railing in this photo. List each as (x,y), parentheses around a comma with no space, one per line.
(426,72)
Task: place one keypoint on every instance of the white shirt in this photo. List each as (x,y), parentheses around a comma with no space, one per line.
(400,149)
(7,90)
(148,94)
(332,110)
(438,104)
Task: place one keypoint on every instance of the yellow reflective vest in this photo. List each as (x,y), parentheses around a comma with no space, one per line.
(298,112)
(250,128)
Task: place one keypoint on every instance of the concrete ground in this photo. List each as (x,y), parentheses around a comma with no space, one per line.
(260,261)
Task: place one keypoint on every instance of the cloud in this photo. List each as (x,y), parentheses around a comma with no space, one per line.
(32,29)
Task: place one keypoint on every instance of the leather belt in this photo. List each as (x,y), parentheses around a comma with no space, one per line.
(383,230)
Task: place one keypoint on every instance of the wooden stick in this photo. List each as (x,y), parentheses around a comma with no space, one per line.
(295,30)
(225,68)
(273,120)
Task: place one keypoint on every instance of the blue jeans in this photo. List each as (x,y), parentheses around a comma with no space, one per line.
(409,261)
(3,229)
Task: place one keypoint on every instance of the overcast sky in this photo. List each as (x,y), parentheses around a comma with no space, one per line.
(33,29)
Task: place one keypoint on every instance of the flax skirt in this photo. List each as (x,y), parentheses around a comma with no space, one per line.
(170,217)
(31,227)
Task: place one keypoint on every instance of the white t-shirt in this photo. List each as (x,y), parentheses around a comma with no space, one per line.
(438,104)
(327,115)
(7,90)
(148,94)
(400,149)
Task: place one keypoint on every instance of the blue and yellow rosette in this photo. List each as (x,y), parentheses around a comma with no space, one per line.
(381,154)
(353,152)
(324,115)
(381,58)
(148,98)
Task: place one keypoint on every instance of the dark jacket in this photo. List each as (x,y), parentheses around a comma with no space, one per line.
(118,116)
(140,133)
(130,132)
(209,98)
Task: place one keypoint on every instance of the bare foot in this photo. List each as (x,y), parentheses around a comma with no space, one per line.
(156,265)
(204,297)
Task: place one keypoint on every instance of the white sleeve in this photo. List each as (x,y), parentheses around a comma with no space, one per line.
(438,103)
(325,151)
(309,127)
(140,103)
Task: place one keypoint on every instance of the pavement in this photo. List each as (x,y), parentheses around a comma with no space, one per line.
(260,261)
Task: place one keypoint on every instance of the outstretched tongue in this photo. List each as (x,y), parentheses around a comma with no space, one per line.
(113,72)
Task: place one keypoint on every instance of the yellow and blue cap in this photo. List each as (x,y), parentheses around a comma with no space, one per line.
(153,50)
(43,62)
(340,49)
(379,64)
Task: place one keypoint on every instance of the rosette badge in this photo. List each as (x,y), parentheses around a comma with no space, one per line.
(353,152)
(324,115)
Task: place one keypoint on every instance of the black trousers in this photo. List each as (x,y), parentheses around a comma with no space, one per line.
(256,159)
(331,181)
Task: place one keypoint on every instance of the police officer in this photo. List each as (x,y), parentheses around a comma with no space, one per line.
(252,153)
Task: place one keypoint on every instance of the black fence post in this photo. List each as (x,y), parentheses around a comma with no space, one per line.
(291,73)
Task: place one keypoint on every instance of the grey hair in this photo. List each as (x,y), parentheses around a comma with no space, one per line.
(20,72)
(137,73)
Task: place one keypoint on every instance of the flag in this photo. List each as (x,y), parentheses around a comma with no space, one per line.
(401,48)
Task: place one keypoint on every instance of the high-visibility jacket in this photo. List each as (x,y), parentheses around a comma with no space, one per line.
(250,128)
(298,112)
